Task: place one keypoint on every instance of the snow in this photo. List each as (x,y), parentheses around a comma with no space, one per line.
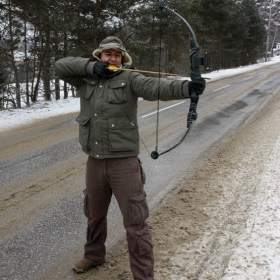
(257,256)
(13,118)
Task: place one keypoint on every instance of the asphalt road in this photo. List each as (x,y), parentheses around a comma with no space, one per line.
(42,226)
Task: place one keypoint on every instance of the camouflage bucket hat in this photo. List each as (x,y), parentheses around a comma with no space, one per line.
(114,43)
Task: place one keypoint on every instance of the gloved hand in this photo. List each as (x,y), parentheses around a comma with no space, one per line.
(197,85)
(100,68)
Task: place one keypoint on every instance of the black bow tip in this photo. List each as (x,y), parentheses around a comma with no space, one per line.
(159,6)
(154,155)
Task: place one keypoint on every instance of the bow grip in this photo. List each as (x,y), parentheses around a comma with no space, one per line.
(192,114)
(195,75)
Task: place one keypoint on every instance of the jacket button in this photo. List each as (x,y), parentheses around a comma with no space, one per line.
(101,86)
(96,143)
(113,125)
(95,115)
(97,155)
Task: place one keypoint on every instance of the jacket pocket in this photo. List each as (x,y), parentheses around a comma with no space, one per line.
(84,129)
(90,85)
(117,93)
(123,135)
(139,208)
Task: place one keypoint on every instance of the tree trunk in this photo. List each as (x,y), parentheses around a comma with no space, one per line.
(65,90)
(47,68)
(26,67)
(57,86)
(13,62)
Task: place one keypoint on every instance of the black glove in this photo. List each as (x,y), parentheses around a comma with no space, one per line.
(100,68)
(197,86)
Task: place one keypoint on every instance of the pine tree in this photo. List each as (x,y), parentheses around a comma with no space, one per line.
(254,35)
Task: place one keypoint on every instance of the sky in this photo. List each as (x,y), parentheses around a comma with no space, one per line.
(13,118)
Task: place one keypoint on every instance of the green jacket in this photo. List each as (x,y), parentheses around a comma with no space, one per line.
(108,125)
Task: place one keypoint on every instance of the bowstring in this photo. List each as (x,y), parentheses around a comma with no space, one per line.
(158,89)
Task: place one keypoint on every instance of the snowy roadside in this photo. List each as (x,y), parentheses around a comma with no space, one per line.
(257,253)
(40,110)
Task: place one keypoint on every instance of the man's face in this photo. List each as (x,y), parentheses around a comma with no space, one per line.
(112,56)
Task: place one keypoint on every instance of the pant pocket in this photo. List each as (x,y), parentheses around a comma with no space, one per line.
(84,130)
(144,241)
(139,208)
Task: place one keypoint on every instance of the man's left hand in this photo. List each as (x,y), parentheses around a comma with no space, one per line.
(197,85)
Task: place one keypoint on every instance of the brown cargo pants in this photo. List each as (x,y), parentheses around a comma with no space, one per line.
(125,179)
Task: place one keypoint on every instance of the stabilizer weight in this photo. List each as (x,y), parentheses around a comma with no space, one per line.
(154,155)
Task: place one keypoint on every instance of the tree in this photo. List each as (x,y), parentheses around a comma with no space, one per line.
(270,13)
(254,35)
(157,40)
(67,28)
(13,36)
(229,31)
(44,31)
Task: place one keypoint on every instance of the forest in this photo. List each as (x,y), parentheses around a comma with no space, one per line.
(34,34)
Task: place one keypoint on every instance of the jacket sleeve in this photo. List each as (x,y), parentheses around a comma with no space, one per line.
(72,70)
(150,88)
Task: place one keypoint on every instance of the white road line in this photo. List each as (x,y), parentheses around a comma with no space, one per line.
(221,88)
(163,109)
(247,79)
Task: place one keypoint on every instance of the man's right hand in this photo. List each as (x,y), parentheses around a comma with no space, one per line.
(100,68)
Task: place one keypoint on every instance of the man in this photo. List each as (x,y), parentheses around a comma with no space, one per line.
(108,134)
